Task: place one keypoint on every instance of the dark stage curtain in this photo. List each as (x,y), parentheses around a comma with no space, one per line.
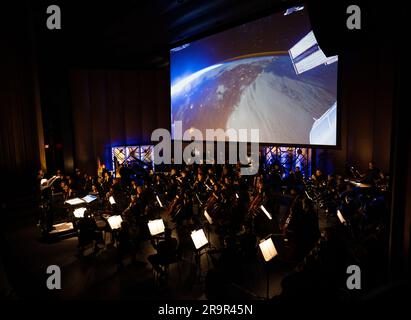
(20,117)
(367,86)
(116,107)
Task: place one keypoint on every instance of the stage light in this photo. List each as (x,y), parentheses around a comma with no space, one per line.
(111,200)
(115,222)
(266,212)
(159,202)
(209,219)
(341,217)
(199,238)
(268,249)
(156,227)
(74,201)
(236,195)
(79,212)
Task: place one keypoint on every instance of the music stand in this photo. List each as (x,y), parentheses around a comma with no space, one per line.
(89,198)
(268,251)
(75,201)
(266,212)
(111,200)
(341,217)
(210,222)
(159,202)
(200,242)
(115,222)
(79,212)
(156,227)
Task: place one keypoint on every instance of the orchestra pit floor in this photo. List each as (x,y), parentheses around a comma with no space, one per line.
(26,258)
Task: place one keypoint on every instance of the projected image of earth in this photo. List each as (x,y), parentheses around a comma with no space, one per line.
(269,74)
(262,92)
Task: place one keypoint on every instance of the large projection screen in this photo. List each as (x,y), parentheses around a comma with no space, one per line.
(268,74)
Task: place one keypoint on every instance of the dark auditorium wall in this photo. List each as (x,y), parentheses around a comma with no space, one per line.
(116,107)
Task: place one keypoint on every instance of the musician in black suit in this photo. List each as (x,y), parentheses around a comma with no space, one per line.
(298,175)
(226,269)
(373,174)
(88,232)
(319,178)
(166,252)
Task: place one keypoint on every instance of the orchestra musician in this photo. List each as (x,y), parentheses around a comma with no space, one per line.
(373,175)
(226,198)
(319,178)
(257,200)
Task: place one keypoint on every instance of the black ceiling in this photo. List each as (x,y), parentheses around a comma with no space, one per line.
(135,33)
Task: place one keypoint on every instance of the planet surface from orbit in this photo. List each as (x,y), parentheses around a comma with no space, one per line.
(262,93)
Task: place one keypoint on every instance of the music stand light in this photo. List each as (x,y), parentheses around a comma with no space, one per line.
(199,238)
(209,219)
(115,222)
(341,217)
(79,212)
(156,226)
(111,200)
(266,212)
(159,202)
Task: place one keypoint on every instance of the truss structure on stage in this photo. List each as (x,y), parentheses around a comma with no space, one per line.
(128,154)
(288,158)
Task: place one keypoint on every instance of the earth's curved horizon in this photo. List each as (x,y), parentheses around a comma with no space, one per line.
(255,93)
